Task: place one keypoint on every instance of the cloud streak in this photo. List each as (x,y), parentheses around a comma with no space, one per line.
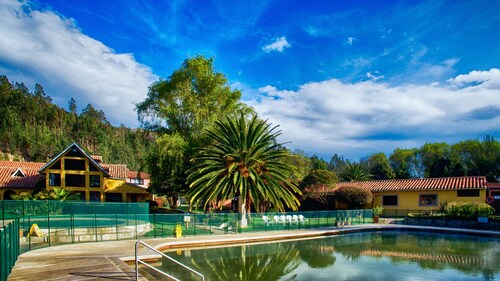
(45,47)
(278,45)
(361,118)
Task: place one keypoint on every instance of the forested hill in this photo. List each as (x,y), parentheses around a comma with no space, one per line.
(32,128)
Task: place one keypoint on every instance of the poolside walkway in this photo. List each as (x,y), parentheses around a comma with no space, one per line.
(107,260)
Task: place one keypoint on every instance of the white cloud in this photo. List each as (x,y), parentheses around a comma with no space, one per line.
(490,78)
(357,119)
(278,45)
(350,40)
(374,76)
(50,49)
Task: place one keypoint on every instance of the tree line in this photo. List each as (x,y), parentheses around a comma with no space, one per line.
(32,128)
(431,160)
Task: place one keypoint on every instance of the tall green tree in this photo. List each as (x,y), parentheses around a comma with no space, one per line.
(190,100)
(379,168)
(243,161)
(184,105)
(166,164)
(406,164)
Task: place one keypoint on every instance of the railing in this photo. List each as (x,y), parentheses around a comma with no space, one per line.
(137,261)
(50,230)
(9,247)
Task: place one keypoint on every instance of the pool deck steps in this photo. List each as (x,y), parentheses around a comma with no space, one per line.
(107,260)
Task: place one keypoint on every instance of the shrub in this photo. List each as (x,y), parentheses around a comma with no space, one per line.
(355,197)
(318,178)
(468,210)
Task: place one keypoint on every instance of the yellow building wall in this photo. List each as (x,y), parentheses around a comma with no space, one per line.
(410,199)
(112,185)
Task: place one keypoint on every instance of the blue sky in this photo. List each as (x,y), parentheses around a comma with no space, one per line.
(347,77)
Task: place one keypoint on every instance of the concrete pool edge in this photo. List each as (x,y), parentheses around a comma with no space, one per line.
(107,259)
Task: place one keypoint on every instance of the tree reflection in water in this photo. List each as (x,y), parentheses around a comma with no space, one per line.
(303,259)
(247,263)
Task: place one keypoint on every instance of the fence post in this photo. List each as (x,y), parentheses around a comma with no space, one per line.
(135,217)
(95,225)
(48,221)
(116,226)
(154,224)
(29,236)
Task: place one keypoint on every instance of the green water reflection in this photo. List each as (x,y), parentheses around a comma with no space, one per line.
(365,256)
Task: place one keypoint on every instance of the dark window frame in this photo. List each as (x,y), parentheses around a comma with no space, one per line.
(57,179)
(71,180)
(468,193)
(390,196)
(426,200)
(91,183)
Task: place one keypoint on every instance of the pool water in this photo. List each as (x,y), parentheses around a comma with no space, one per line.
(364,256)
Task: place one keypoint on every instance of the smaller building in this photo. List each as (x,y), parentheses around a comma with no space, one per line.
(74,169)
(423,194)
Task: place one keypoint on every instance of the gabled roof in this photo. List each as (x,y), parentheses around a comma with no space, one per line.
(74,145)
(28,169)
(449,183)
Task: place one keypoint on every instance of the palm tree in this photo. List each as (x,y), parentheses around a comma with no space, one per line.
(243,161)
(354,172)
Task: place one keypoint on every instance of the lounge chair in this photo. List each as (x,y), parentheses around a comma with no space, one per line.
(283,219)
(295,219)
(266,220)
(289,219)
(276,219)
(302,219)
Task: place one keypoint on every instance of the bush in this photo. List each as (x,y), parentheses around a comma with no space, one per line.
(355,197)
(318,178)
(469,210)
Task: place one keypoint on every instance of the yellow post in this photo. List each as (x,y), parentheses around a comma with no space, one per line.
(178,231)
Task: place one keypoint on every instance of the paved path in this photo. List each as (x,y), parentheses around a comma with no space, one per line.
(106,260)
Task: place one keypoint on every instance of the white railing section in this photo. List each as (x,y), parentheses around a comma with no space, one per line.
(137,261)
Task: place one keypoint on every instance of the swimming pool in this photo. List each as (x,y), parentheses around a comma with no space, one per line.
(389,255)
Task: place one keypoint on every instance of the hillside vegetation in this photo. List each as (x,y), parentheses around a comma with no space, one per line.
(32,128)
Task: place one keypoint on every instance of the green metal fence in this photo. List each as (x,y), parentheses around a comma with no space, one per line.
(44,231)
(9,247)
(20,208)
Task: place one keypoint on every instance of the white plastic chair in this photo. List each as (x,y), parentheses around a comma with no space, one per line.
(302,219)
(276,219)
(266,220)
(283,219)
(289,219)
(295,219)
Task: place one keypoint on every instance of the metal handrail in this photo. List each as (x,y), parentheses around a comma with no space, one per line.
(137,261)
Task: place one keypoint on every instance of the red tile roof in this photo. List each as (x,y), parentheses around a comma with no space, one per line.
(450,183)
(29,169)
(134,175)
(116,170)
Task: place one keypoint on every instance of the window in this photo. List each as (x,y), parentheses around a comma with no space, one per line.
(390,200)
(75,180)
(75,165)
(95,180)
(92,167)
(95,196)
(427,200)
(56,165)
(113,197)
(137,181)
(468,193)
(54,179)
